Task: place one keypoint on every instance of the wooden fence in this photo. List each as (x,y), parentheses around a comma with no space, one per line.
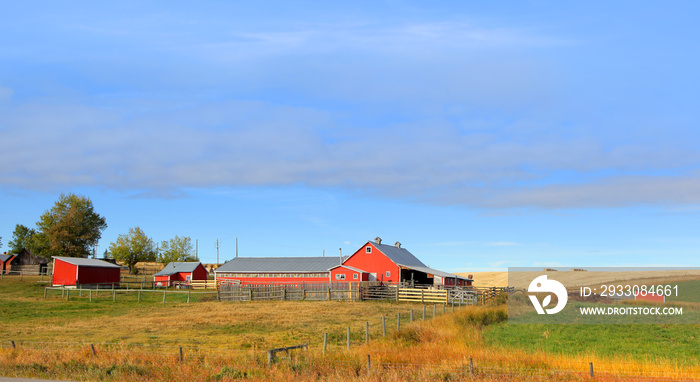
(203,284)
(422,295)
(293,292)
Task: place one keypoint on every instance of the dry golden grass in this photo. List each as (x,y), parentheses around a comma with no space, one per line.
(227,341)
(500,279)
(488,279)
(436,349)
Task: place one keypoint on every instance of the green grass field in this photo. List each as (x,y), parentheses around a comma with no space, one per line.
(676,343)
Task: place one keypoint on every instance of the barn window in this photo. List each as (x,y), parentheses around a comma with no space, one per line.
(340,276)
(388,273)
(354,276)
(368,249)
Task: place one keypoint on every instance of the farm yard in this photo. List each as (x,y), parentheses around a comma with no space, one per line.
(120,340)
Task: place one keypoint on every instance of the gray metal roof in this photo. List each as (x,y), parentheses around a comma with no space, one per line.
(279,264)
(399,255)
(4,258)
(178,267)
(82,262)
(434,272)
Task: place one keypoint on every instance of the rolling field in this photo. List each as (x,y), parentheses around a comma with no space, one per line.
(500,279)
(228,341)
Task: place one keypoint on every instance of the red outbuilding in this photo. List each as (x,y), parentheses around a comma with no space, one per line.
(74,271)
(180,273)
(6,263)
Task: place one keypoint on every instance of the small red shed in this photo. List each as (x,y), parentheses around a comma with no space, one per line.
(74,271)
(6,263)
(180,272)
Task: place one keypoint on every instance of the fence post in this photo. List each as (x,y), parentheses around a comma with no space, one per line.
(383,326)
(45,291)
(398,322)
(411,316)
(92,347)
(471,366)
(188,296)
(348,338)
(369,364)
(590,364)
(181,357)
(422,297)
(114,295)
(164,292)
(13,344)
(139,293)
(270,358)
(443,307)
(325,342)
(434,309)
(397,293)
(366,332)
(90,295)
(423,312)
(67,294)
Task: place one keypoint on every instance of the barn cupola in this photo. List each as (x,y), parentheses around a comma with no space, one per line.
(397,244)
(378,240)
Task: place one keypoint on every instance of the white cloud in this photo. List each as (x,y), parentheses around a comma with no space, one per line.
(236,143)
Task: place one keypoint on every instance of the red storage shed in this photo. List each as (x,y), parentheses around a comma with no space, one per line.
(6,262)
(180,272)
(74,271)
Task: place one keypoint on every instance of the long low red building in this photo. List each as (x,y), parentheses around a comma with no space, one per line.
(75,271)
(374,261)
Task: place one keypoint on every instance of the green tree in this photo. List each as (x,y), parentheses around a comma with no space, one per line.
(176,249)
(22,238)
(70,228)
(133,248)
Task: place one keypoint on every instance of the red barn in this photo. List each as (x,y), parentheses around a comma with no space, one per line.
(180,272)
(391,263)
(74,271)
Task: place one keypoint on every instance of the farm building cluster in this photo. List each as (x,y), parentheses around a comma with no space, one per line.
(373,261)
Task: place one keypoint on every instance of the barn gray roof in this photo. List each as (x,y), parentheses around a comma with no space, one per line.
(178,267)
(82,262)
(4,258)
(434,272)
(279,264)
(400,256)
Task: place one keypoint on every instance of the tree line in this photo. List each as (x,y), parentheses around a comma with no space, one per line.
(72,228)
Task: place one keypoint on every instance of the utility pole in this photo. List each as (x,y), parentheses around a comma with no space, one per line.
(217,251)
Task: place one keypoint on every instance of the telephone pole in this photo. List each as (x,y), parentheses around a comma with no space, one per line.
(217,251)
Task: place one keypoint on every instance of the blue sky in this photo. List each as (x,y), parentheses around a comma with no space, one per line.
(480,136)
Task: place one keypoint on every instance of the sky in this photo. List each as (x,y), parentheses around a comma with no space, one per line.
(480,135)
